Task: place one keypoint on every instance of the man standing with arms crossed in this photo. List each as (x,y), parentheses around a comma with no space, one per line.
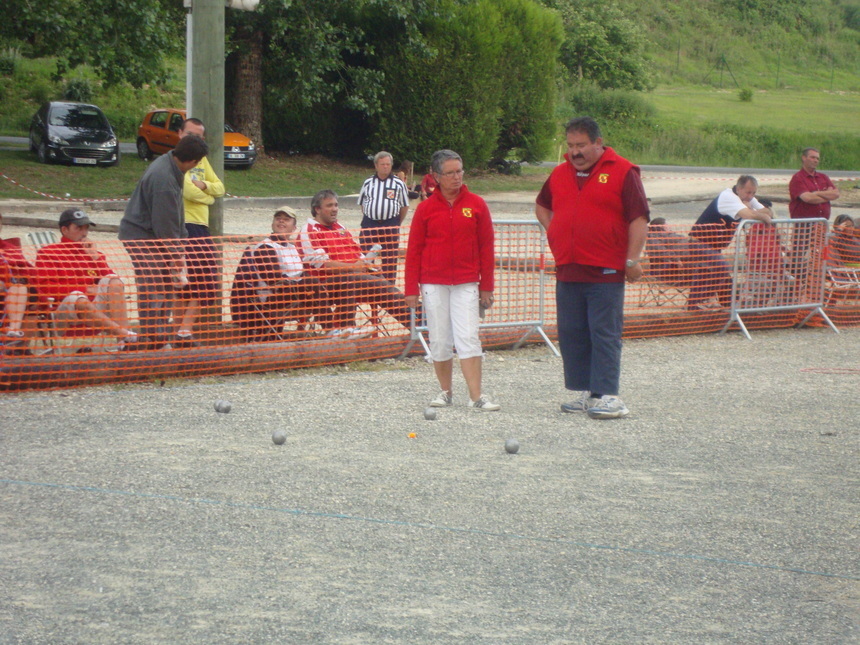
(595,212)
(384,201)
(811,193)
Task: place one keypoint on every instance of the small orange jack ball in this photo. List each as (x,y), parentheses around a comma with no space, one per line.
(412,435)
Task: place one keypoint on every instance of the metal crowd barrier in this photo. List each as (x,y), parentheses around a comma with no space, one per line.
(778,267)
(520,294)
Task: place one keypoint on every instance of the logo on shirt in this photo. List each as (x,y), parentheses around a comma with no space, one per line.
(603,177)
(390,193)
(467,212)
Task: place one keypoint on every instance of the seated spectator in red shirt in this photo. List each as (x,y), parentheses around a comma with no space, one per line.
(269,284)
(15,276)
(74,278)
(844,245)
(428,185)
(336,258)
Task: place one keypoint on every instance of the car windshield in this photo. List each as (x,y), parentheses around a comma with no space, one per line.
(78,116)
(228,128)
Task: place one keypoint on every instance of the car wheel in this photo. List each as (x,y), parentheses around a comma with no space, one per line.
(42,153)
(143,150)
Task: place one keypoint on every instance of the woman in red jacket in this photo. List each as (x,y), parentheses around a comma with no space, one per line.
(450,256)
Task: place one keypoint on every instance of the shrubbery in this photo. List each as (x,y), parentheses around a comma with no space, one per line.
(622,106)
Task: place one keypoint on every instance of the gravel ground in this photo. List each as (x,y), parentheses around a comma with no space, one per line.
(722,510)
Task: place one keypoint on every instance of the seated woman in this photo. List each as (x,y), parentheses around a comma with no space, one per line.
(270,284)
(844,245)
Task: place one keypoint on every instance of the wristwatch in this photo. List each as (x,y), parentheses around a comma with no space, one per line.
(632,263)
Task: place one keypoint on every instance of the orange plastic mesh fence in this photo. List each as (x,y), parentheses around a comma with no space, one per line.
(247,316)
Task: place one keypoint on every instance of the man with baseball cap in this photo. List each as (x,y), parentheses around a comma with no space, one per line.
(74,278)
(270,283)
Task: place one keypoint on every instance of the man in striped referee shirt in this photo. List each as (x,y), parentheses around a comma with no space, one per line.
(384,201)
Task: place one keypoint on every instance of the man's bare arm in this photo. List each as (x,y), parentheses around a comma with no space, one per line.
(544,216)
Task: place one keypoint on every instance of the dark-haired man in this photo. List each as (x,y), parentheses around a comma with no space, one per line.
(74,276)
(595,212)
(153,220)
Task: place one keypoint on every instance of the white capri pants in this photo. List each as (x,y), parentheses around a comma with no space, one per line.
(452,320)
(66,314)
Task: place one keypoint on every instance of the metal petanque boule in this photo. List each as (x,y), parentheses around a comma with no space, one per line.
(223,406)
(512,446)
(430,414)
(278,437)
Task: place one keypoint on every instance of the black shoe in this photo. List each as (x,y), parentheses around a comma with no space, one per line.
(183,342)
(14,346)
(141,344)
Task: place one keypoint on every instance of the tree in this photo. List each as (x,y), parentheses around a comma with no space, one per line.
(531,36)
(603,45)
(123,40)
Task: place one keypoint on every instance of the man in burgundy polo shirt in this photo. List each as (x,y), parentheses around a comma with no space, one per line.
(811,193)
(595,213)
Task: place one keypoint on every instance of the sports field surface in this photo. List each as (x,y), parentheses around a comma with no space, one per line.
(724,509)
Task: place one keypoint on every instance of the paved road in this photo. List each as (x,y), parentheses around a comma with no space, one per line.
(13,143)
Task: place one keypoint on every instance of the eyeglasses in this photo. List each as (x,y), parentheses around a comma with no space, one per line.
(453,173)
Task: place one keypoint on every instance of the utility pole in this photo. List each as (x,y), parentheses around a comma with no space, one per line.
(204,84)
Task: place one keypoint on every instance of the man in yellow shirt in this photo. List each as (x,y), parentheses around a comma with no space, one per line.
(200,189)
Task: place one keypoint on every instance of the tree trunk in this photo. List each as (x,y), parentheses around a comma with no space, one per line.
(247,96)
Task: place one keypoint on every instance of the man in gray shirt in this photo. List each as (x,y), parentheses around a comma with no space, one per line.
(153,216)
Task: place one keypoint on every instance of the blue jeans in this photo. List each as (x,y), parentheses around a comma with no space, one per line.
(590,322)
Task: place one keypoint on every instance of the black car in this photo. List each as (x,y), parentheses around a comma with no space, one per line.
(75,133)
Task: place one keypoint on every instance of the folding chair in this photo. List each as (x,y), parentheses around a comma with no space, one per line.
(841,282)
(38,239)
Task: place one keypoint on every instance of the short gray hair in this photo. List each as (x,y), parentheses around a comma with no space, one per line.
(440,157)
(382,155)
(743,180)
(317,200)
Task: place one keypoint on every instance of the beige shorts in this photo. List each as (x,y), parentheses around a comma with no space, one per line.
(66,314)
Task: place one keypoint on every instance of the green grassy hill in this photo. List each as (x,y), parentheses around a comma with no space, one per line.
(760,44)
(798,61)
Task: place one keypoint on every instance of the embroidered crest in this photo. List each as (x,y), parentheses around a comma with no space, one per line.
(467,212)
(390,193)
(603,177)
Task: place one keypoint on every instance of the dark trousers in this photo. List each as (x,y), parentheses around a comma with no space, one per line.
(711,275)
(201,258)
(387,234)
(349,288)
(590,322)
(152,261)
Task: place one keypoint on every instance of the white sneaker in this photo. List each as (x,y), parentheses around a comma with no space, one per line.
(357,332)
(484,405)
(607,407)
(442,400)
